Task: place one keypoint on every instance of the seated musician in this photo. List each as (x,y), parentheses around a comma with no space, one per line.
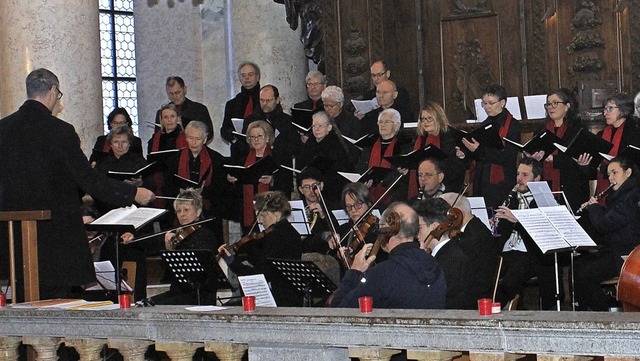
(279,240)
(618,222)
(522,258)
(310,183)
(430,180)
(410,278)
(476,241)
(188,208)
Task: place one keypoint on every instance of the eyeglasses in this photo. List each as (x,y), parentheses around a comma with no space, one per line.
(609,109)
(331,106)
(378,75)
(59,93)
(427,119)
(385,122)
(357,206)
(247,75)
(319,126)
(308,187)
(484,104)
(311,85)
(255,137)
(553,104)
(120,143)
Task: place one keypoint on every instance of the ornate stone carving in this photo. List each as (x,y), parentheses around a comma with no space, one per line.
(355,64)
(312,29)
(472,73)
(461,7)
(587,62)
(537,66)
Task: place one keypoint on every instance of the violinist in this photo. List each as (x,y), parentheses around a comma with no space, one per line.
(310,183)
(618,222)
(279,240)
(410,278)
(453,260)
(477,242)
(188,208)
(522,259)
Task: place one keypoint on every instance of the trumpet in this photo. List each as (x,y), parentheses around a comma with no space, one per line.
(597,197)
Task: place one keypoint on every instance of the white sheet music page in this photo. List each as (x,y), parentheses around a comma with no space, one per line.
(568,227)
(479,209)
(542,194)
(257,286)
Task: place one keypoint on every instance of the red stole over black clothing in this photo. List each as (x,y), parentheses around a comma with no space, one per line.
(614,136)
(553,174)
(376,160)
(248,190)
(496,175)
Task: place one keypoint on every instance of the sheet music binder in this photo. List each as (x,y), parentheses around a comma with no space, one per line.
(194,268)
(305,277)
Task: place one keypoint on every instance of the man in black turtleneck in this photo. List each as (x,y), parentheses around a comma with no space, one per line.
(242,105)
(287,143)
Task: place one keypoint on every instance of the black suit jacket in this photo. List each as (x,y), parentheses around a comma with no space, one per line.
(43,168)
(190,110)
(454,263)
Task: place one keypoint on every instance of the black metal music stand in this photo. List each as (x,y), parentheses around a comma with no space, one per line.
(305,277)
(195,268)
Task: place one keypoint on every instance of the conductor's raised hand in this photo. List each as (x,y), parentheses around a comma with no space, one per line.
(144,196)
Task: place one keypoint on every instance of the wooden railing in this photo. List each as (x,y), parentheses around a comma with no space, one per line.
(324,334)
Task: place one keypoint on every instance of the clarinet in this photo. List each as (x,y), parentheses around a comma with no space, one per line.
(597,197)
(506,203)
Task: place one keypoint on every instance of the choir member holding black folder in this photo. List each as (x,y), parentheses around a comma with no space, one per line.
(495,169)
(562,171)
(119,117)
(433,129)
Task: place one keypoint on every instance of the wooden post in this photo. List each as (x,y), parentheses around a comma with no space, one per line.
(29,251)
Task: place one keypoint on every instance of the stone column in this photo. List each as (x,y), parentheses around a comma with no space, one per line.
(131,350)
(46,347)
(226,351)
(257,31)
(88,349)
(64,39)
(9,348)
(178,351)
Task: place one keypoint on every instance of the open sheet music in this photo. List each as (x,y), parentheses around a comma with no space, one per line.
(257,286)
(106,278)
(553,228)
(134,216)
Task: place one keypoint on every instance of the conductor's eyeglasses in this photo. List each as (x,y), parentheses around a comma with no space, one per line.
(59,93)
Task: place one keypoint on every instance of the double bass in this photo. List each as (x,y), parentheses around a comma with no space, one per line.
(629,282)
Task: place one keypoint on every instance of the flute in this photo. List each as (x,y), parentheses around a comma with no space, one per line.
(597,197)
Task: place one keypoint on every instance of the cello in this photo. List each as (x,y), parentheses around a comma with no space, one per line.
(629,282)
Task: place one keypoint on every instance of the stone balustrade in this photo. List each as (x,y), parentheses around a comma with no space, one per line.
(323,334)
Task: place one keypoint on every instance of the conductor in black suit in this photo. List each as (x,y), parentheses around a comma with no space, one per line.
(43,168)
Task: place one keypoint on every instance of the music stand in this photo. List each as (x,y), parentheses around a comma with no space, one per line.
(195,268)
(305,277)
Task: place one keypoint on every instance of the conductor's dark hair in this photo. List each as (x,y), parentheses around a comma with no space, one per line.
(497,90)
(39,82)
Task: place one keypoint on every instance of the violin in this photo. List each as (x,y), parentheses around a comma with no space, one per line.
(451,225)
(183,233)
(249,238)
(359,235)
(392,228)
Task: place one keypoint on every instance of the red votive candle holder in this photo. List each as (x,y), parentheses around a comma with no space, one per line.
(124,300)
(366,304)
(484,306)
(249,303)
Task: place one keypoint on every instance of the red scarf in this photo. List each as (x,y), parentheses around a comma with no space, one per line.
(376,159)
(248,109)
(248,190)
(616,139)
(205,170)
(421,142)
(106,147)
(550,172)
(496,175)
(181,142)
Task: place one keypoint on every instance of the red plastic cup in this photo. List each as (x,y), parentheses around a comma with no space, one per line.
(484,306)
(125,300)
(249,303)
(3,299)
(366,304)
(496,307)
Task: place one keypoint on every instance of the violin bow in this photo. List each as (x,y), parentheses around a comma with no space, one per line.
(267,198)
(169,230)
(327,213)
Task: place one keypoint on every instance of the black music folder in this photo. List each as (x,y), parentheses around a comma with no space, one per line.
(144,171)
(252,173)
(366,140)
(630,152)
(544,141)
(377,174)
(412,159)
(487,135)
(302,119)
(162,155)
(586,142)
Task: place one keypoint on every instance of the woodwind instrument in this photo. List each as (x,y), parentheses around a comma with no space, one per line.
(597,197)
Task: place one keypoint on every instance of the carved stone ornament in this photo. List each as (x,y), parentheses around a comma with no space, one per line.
(472,73)
(461,7)
(586,40)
